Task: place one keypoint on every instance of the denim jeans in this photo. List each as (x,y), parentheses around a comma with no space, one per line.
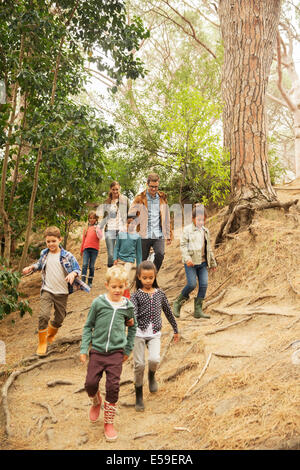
(198,271)
(89,259)
(110,240)
(158,245)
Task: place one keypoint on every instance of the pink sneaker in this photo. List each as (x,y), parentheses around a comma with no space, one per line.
(94,411)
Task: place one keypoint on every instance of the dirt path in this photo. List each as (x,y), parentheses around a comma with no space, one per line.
(247,397)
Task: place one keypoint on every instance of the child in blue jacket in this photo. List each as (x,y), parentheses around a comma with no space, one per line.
(128,251)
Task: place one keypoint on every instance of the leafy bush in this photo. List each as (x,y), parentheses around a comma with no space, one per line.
(9,293)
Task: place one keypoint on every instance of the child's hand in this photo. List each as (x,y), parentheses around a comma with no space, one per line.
(27,270)
(70,277)
(176,337)
(129,322)
(125,357)
(213,269)
(115,262)
(82,358)
(190,264)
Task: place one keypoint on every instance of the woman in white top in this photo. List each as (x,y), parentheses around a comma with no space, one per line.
(114,217)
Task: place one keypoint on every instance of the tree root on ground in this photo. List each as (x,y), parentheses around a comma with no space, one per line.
(10,381)
(236,220)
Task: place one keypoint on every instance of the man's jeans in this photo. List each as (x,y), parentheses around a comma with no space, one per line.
(198,271)
(110,240)
(89,259)
(158,245)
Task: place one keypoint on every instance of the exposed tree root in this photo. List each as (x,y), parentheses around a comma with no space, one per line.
(180,370)
(10,381)
(239,217)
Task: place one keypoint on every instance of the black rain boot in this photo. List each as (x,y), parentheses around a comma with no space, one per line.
(139,404)
(152,382)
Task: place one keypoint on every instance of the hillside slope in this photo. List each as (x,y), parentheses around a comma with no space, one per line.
(222,386)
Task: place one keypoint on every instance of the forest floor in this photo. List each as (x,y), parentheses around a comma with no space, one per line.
(232,382)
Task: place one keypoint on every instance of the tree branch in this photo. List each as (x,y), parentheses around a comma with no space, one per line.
(192,34)
(289,102)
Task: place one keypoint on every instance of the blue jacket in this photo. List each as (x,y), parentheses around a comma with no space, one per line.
(128,247)
(69,264)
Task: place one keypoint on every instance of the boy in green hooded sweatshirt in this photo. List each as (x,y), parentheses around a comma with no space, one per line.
(105,329)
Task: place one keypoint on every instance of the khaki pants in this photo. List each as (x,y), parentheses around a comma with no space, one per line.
(49,300)
(131,271)
(140,345)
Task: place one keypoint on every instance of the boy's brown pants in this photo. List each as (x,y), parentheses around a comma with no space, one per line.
(47,301)
(111,363)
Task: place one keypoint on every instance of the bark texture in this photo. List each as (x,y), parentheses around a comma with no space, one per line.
(249,29)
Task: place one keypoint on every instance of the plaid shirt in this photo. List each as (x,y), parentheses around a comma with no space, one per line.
(69,264)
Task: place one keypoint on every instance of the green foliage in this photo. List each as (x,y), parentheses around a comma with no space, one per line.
(275,162)
(71,170)
(43,49)
(191,129)
(9,293)
(173,127)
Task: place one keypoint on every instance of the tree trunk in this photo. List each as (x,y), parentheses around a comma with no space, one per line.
(3,212)
(31,210)
(249,29)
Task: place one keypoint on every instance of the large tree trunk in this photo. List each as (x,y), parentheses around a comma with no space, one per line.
(249,29)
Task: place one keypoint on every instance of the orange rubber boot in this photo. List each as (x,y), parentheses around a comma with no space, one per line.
(51,333)
(109,414)
(42,347)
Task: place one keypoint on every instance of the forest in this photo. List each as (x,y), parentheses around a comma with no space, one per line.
(207,95)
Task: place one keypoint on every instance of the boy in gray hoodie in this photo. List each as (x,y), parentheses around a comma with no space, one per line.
(105,329)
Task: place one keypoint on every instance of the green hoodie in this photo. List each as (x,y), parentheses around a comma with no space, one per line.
(105,327)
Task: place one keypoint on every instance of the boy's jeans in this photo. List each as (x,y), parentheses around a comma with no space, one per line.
(110,240)
(89,259)
(198,271)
